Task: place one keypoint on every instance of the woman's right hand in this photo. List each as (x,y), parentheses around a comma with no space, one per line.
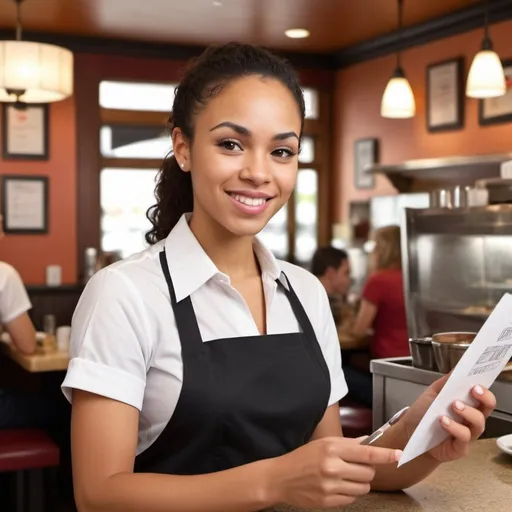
(326,473)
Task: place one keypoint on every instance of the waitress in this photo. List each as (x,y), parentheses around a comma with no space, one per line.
(206,375)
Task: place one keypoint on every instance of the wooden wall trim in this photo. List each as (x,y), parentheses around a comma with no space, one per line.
(152,50)
(88,161)
(463,20)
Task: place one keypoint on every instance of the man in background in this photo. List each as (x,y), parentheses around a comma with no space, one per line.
(332,267)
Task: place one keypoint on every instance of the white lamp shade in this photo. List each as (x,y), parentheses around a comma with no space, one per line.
(43,71)
(486,78)
(398,99)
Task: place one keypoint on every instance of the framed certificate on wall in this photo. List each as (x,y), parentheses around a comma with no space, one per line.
(25,204)
(25,132)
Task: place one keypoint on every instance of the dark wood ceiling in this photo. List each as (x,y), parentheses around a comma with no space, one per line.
(334,24)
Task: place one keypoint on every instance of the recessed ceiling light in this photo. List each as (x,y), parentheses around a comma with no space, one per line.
(297,33)
(217,3)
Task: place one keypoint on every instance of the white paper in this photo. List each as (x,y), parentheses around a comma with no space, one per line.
(481,364)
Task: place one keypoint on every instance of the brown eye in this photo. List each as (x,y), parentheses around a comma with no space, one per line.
(229,145)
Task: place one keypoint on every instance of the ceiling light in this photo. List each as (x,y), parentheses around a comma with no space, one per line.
(297,33)
(486,78)
(34,72)
(398,98)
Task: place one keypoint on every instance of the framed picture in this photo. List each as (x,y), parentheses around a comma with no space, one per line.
(445,95)
(25,204)
(25,132)
(498,110)
(366,153)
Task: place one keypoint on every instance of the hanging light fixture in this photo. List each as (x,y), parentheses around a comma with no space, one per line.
(486,78)
(398,99)
(33,72)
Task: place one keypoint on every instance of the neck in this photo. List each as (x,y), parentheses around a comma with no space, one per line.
(232,255)
(327,285)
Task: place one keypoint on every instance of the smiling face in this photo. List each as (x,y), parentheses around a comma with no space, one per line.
(244,154)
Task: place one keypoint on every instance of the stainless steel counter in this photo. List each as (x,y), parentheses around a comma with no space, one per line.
(396,383)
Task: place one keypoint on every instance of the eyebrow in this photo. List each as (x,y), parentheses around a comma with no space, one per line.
(246,132)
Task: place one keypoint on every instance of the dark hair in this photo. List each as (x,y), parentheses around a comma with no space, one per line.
(327,257)
(203,80)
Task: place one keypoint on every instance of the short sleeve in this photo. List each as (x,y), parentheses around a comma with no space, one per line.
(372,290)
(109,341)
(14,299)
(330,345)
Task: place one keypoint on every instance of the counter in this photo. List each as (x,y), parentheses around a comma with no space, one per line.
(480,482)
(396,383)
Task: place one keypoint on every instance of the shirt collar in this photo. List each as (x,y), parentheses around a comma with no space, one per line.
(190,267)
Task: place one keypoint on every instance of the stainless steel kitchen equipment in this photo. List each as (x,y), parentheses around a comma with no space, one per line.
(422,353)
(397,384)
(457,264)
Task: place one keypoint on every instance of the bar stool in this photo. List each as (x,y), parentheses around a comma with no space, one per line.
(28,453)
(356,419)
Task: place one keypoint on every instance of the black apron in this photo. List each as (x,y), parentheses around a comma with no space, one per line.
(242,399)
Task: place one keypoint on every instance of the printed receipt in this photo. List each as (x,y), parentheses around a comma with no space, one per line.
(481,364)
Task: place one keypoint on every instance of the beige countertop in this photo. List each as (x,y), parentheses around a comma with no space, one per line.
(482,482)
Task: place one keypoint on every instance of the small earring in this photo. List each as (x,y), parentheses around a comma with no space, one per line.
(183,166)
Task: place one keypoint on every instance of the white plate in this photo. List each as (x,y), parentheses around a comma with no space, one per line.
(505,444)
(7,339)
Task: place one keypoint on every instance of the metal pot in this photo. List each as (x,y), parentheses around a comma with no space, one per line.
(422,354)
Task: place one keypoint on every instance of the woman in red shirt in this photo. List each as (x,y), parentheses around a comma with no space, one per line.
(382,305)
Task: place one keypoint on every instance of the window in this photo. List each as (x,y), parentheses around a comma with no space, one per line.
(137,96)
(275,234)
(133,141)
(123,215)
(306,215)
(312,103)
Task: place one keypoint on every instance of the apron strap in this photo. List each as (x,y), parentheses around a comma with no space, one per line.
(186,320)
(304,322)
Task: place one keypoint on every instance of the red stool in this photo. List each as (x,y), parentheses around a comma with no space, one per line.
(28,453)
(356,419)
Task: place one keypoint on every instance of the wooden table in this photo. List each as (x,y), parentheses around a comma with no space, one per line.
(35,363)
(482,482)
(348,342)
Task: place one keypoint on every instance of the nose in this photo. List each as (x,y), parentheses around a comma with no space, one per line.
(256,169)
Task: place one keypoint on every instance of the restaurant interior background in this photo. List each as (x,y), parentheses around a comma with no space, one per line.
(345,64)
(102,145)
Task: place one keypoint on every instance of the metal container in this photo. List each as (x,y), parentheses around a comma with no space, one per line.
(422,354)
(441,198)
(449,347)
(460,196)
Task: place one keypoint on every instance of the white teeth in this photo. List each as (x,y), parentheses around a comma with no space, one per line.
(249,201)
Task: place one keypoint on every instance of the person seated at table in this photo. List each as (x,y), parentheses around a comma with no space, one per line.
(332,268)
(382,308)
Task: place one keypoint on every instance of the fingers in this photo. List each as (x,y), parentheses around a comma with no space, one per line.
(438,385)
(473,418)
(369,454)
(486,398)
(459,432)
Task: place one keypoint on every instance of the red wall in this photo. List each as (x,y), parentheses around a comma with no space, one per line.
(358,93)
(30,254)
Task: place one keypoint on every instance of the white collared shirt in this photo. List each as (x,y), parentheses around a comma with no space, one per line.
(124,341)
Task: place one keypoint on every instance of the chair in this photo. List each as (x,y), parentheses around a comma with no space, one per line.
(356,419)
(28,453)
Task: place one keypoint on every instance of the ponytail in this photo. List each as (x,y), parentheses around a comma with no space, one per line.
(174,197)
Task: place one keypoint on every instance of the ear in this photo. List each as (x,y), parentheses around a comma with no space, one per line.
(181,149)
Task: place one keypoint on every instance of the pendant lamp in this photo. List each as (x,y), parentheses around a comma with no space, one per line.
(398,99)
(486,78)
(33,72)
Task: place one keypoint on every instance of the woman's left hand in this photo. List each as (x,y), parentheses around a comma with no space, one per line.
(468,427)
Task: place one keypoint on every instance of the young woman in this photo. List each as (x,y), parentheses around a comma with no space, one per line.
(382,304)
(205,375)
